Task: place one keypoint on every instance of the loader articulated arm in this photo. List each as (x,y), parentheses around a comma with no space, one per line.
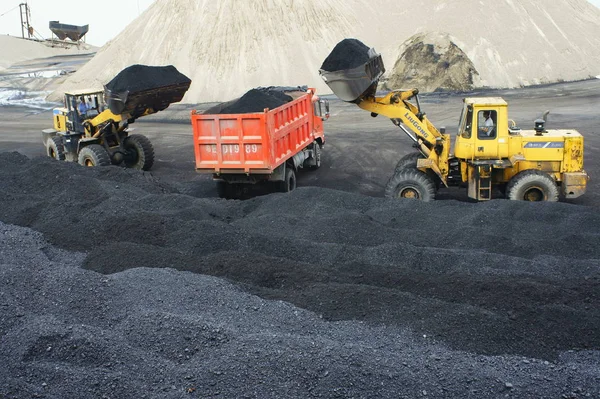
(93,127)
(434,145)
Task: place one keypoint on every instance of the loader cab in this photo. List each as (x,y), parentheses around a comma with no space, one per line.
(74,119)
(483,129)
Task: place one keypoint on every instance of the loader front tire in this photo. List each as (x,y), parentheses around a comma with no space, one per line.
(139,153)
(410,183)
(55,148)
(408,161)
(532,185)
(93,155)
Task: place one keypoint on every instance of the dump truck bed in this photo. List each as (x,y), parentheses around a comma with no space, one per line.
(253,143)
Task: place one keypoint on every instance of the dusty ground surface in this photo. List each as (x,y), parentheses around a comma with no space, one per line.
(146,284)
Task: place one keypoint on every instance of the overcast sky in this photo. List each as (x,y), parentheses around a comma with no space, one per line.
(106,18)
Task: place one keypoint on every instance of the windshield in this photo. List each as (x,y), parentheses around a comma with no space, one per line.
(466,116)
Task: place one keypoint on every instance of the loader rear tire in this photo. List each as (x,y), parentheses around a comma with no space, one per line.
(532,185)
(410,183)
(93,155)
(55,148)
(289,182)
(139,152)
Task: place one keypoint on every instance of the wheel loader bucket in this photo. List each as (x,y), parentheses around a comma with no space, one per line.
(352,84)
(144,102)
(142,90)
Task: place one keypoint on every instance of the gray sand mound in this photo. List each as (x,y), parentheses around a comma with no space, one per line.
(404,298)
(432,62)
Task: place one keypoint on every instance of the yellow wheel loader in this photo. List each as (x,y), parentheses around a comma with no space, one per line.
(490,151)
(92,128)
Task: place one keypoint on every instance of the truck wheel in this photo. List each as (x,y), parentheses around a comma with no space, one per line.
(410,183)
(223,189)
(316,156)
(289,183)
(139,153)
(532,185)
(55,148)
(93,155)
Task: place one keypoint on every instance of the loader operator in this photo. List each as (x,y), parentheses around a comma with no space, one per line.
(488,126)
(82,108)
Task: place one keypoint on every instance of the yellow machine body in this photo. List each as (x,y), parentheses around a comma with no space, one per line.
(60,119)
(486,159)
(558,153)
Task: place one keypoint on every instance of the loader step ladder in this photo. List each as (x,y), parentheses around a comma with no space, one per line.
(480,182)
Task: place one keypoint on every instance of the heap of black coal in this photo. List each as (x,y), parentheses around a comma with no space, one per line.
(255,100)
(347,54)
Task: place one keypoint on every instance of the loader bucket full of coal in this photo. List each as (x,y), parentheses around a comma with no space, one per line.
(142,90)
(352,70)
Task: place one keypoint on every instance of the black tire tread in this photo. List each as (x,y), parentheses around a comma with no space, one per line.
(527,178)
(415,178)
(289,182)
(96,153)
(409,160)
(56,146)
(144,149)
(317,152)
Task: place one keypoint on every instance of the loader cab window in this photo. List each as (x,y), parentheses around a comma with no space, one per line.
(486,125)
(466,119)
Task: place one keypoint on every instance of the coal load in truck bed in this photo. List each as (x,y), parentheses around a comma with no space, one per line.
(255,100)
(136,78)
(347,54)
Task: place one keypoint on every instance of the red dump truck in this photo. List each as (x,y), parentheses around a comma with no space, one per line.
(267,148)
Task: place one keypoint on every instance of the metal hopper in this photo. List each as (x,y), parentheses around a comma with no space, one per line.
(351,84)
(73,32)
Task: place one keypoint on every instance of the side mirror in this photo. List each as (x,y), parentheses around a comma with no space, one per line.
(324,109)
(443,130)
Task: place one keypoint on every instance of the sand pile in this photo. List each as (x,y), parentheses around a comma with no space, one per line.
(452,299)
(432,62)
(16,50)
(228,47)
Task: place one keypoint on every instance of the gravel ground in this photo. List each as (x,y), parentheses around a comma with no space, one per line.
(137,289)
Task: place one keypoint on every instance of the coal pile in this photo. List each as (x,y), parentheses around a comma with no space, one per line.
(255,100)
(347,54)
(136,78)
(315,293)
